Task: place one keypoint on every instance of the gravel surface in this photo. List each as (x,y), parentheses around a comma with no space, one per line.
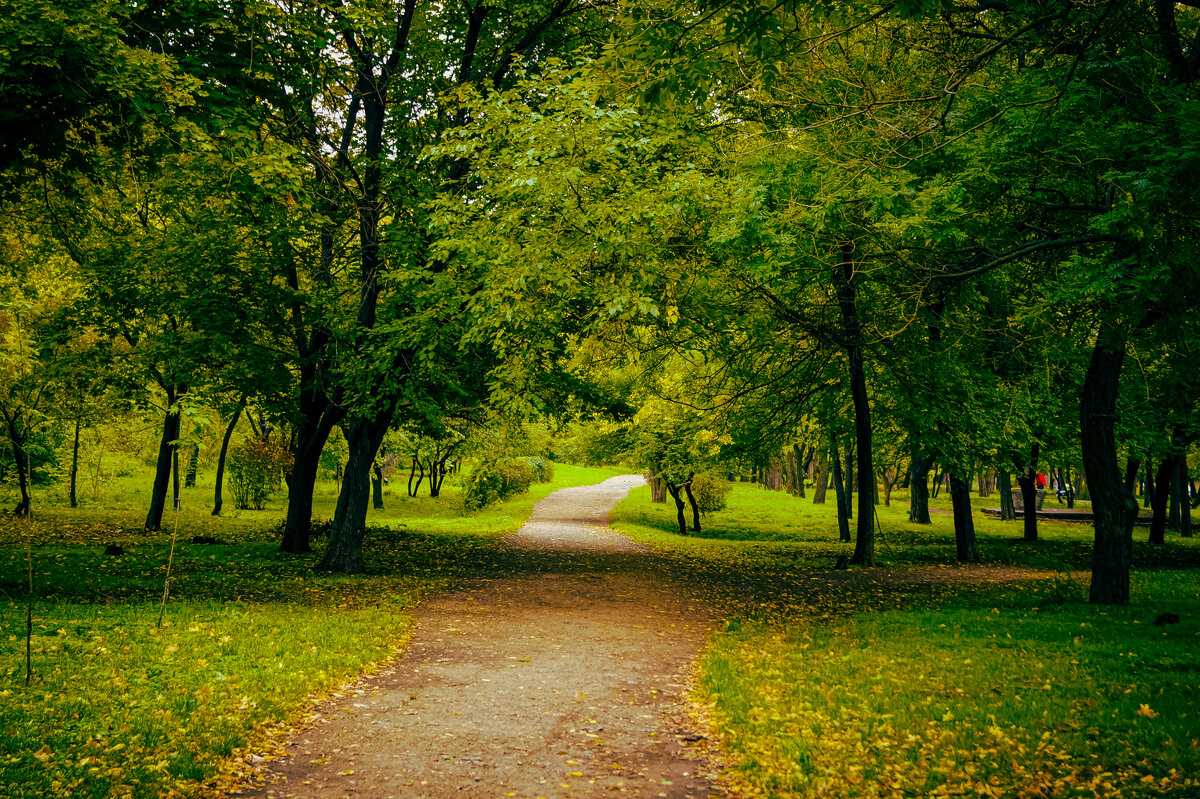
(564,677)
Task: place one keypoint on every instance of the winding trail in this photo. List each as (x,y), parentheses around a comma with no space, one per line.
(564,678)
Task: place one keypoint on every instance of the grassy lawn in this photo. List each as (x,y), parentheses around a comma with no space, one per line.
(119,706)
(824,687)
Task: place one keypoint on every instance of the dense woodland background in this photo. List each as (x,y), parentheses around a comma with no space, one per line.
(871,244)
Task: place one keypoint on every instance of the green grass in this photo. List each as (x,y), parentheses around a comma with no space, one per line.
(851,687)
(118,706)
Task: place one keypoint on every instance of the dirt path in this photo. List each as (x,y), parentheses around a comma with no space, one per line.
(564,677)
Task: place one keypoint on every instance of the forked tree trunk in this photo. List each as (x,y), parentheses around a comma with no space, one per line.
(1162,490)
(1114,509)
(676,493)
(317,422)
(687,487)
(363,439)
(964,522)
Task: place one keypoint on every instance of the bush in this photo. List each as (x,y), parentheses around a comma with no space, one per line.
(710,492)
(543,469)
(496,481)
(256,467)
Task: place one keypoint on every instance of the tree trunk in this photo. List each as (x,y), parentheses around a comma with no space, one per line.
(162,472)
(839,488)
(798,454)
(658,489)
(1148,492)
(1004,487)
(437,476)
(75,464)
(175,476)
(377,487)
(317,421)
(964,522)
(675,492)
(1185,500)
(1114,509)
(1176,498)
(220,480)
(1026,478)
(344,552)
(821,483)
(18,434)
(189,481)
(687,487)
(1162,490)
(417,464)
(918,498)
(848,467)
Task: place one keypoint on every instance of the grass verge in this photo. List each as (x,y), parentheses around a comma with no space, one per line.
(251,637)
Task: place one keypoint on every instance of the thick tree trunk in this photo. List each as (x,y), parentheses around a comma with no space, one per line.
(839,489)
(75,464)
(658,489)
(1162,490)
(964,522)
(317,422)
(918,497)
(377,487)
(687,487)
(676,494)
(344,552)
(821,483)
(1008,513)
(1027,479)
(1113,508)
(162,472)
(220,479)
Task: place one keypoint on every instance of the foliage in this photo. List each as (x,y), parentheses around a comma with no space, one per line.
(543,468)
(255,469)
(711,492)
(495,481)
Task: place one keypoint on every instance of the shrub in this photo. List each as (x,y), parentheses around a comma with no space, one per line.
(543,468)
(496,481)
(710,492)
(256,467)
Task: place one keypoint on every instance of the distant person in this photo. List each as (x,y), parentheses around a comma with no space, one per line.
(1040,480)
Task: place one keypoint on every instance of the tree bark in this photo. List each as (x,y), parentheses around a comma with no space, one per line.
(821,483)
(918,497)
(839,488)
(1026,477)
(1185,501)
(75,464)
(318,417)
(798,454)
(1167,468)
(687,487)
(220,479)
(344,552)
(1008,513)
(18,434)
(658,489)
(1113,508)
(417,464)
(848,472)
(377,487)
(1148,491)
(676,492)
(964,522)
(162,472)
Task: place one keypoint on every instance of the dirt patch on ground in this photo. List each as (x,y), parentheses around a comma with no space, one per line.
(562,669)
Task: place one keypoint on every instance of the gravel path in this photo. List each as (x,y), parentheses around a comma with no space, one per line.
(564,678)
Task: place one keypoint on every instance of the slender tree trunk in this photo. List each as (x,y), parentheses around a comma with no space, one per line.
(189,481)
(75,464)
(162,473)
(798,454)
(848,467)
(1162,490)
(1070,489)
(1185,500)
(687,487)
(175,476)
(1176,497)
(964,522)
(839,488)
(377,487)
(18,434)
(918,497)
(1008,513)
(417,470)
(220,479)
(1148,492)
(1113,508)
(344,552)
(658,489)
(676,494)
